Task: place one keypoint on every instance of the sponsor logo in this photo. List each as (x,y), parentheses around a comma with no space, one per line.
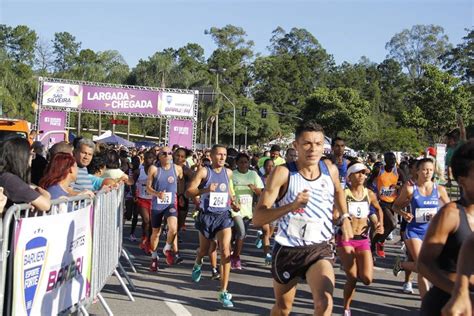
(34,258)
(170,179)
(223,187)
(299,211)
(286,275)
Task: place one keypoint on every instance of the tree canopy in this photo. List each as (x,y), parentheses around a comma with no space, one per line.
(405,102)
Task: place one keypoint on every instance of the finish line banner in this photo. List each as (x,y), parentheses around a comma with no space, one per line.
(117,99)
(52,263)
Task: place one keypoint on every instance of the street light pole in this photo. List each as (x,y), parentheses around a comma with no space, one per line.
(233,121)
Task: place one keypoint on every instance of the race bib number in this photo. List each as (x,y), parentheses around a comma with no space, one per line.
(166,199)
(358,209)
(245,200)
(306,229)
(424,215)
(387,191)
(218,199)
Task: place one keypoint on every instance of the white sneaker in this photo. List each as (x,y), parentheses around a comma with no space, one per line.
(347,312)
(390,236)
(407,288)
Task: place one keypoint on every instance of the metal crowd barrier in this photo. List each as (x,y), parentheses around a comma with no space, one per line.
(107,248)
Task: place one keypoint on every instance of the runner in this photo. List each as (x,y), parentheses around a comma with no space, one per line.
(412,175)
(179,158)
(214,218)
(460,302)
(291,155)
(425,198)
(449,228)
(247,183)
(387,179)
(338,147)
(164,183)
(355,254)
(264,235)
(306,192)
(144,199)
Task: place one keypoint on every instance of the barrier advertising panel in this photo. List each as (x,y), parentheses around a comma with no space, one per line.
(52,121)
(52,262)
(120,100)
(181,133)
(174,104)
(62,94)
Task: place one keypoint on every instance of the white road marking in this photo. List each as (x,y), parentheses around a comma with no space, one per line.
(177,308)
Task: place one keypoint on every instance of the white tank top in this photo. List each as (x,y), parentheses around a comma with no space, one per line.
(141,184)
(312,224)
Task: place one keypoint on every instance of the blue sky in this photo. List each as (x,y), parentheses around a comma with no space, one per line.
(137,29)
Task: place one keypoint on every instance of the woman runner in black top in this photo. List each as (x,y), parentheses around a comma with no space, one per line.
(450,227)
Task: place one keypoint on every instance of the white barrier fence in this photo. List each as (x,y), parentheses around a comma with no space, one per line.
(59,261)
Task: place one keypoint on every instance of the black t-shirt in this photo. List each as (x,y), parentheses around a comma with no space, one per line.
(16,190)
(38,165)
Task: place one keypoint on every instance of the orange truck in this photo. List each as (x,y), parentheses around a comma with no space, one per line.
(10,128)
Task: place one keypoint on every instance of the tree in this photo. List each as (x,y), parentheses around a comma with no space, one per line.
(296,66)
(156,71)
(18,42)
(342,112)
(66,50)
(436,100)
(44,57)
(459,61)
(191,69)
(394,85)
(397,139)
(422,44)
(234,54)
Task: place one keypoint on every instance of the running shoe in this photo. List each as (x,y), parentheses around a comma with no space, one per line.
(268,259)
(407,288)
(390,236)
(232,262)
(196,274)
(169,257)
(154,265)
(347,312)
(132,238)
(178,259)
(215,275)
(143,243)
(259,241)
(379,249)
(397,267)
(225,299)
(237,263)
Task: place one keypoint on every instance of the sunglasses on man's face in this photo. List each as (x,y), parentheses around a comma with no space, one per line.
(164,153)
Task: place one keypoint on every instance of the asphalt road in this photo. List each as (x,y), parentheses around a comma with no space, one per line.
(170,291)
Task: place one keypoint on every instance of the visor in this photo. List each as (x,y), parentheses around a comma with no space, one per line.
(356,168)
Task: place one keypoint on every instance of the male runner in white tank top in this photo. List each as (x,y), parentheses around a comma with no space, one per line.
(306,192)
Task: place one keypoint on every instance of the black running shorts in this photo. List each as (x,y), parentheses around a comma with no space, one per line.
(293,262)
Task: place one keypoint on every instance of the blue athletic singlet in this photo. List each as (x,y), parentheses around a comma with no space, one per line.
(342,172)
(313,223)
(423,208)
(166,180)
(218,201)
